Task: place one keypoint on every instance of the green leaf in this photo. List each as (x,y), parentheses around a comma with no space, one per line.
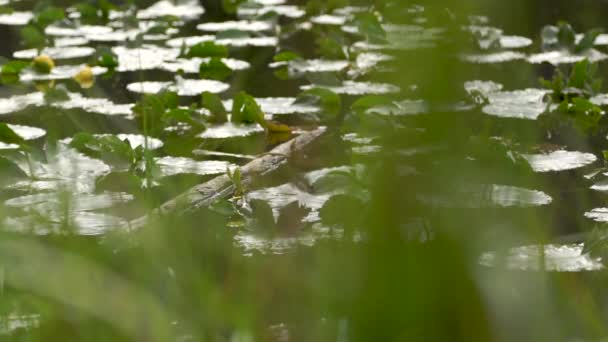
(207,49)
(14,67)
(369,26)
(106,58)
(214,104)
(56,95)
(286,56)
(8,136)
(182,115)
(587,41)
(566,36)
(215,69)
(329,101)
(230,6)
(49,16)
(232,34)
(369,101)
(579,75)
(246,110)
(32,37)
(108,148)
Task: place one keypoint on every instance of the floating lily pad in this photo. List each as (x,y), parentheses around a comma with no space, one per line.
(482,87)
(559,160)
(404,107)
(61,72)
(81,223)
(147,57)
(80,31)
(57,53)
(44,203)
(18,102)
(494,57)
(312,65)
(493,195)
(288,11)
(170,166)
(565,57)
(191,66)
(95,105)
(183,87)
(71,41)
(598,214)
(328,19)
(359,88)
(16,18)
(523,104)
(281,105)
(27,132)
(135,140)
(514,42)
(241,25)
(183,9)
(558,258)
(230,130)
(278,197)
(73,168)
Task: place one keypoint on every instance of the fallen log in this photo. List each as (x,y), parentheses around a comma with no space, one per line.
(222,186)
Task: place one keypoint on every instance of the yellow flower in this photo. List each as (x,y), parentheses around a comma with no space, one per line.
(43,64)
(85,77)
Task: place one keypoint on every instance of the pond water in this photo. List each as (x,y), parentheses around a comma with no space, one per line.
(129,110)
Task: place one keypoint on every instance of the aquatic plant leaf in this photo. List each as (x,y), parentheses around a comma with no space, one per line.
(14,67)
(8,136)
(370,101)
(587,41)
(566,35)
(286,56)
(207,49)
(246,110)
(369,26)
(32,37)
(214,69)
(104,57)
(48,16)
(177,115)
(214,104)
(329,100)
(56,94)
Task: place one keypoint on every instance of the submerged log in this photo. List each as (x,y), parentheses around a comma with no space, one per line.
(222,186)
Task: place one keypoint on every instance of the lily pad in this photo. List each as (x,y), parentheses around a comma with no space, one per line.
(230,130)
(558,258)
(183,9)
(523,104)
(61,72)
(359,88)
(565,57)
(183,87)
(289,11)
(170,166)
(328,19)
(281,105)
(559,160)
(191,66)
(241,25)
(494,57)
(57,53)
(598,214)
(298,66)
(81,223)
(16,18)
(147,57)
